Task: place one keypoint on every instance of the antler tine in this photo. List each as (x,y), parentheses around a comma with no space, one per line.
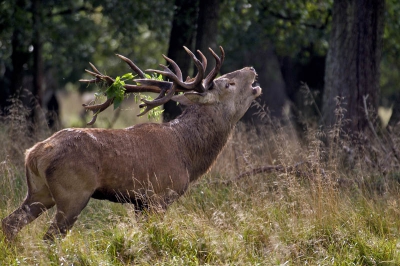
(177,69)
(193,85)
(95,69)
(203,60)
(91,72)
(148,85)
(98,76)
(218,63)
(200,75)
(132,65)
(88,80)
(167,72)
(160,100)
(97,108)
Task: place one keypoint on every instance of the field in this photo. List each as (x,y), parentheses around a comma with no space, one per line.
(339,206)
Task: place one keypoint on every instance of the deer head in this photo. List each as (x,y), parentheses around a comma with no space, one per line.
(148,165)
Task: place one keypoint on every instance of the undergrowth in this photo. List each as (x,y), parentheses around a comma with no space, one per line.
(339,205)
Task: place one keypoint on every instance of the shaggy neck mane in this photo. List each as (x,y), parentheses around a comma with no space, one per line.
(202,133)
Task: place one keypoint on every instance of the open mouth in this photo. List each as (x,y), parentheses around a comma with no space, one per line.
(256,91)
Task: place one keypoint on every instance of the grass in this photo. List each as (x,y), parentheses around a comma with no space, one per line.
(324,213)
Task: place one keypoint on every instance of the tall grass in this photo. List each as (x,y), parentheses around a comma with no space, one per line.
(339,207)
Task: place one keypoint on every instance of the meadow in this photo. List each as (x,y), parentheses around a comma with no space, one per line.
(300,201)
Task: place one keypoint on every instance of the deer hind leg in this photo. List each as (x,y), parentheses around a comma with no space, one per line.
(36,202)
(69,206)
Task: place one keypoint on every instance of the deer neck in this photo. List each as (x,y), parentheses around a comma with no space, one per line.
(202,132)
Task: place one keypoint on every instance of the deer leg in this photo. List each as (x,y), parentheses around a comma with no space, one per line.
(68,210)
(35,203)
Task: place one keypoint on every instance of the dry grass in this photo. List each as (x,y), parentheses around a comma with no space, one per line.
(340,207)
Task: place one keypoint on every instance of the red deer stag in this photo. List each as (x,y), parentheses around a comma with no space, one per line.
(149,165)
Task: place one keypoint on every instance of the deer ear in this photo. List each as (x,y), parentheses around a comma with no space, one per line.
(190,98)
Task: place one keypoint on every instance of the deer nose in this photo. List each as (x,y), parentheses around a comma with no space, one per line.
(253,70)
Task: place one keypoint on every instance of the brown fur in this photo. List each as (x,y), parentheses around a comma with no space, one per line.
(149,165)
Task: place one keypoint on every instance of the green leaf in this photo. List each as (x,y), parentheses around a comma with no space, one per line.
(117,91)
(117,103)
(127,76)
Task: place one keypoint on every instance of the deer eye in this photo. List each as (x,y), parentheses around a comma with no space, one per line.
(229,84)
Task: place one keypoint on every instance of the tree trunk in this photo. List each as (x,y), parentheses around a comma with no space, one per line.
(19,55)
(352,65)
(182,34)
(264,59)
(37,88)
(207,29)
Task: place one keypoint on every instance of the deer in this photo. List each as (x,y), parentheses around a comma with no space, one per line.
(149,165)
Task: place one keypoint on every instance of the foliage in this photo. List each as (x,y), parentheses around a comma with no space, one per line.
(291,26)
(156,112)
(75,33)
(390,65)
(94,30)
(117,91)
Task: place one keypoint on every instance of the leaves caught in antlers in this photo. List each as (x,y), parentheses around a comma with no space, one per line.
(117,88)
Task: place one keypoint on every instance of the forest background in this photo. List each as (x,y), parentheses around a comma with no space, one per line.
(46,45)
(310,176)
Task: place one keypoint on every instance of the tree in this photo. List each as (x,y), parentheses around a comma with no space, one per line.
(352,65)
(207,29)
(390,65)
(285,41)
(182,34)
(29,24)
(61,37)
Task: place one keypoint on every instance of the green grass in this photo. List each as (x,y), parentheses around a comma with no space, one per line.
(325,214)
(219,225)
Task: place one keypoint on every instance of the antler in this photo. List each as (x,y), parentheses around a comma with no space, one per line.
(177,79)
(155,86)
(165,89)
(218,63)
